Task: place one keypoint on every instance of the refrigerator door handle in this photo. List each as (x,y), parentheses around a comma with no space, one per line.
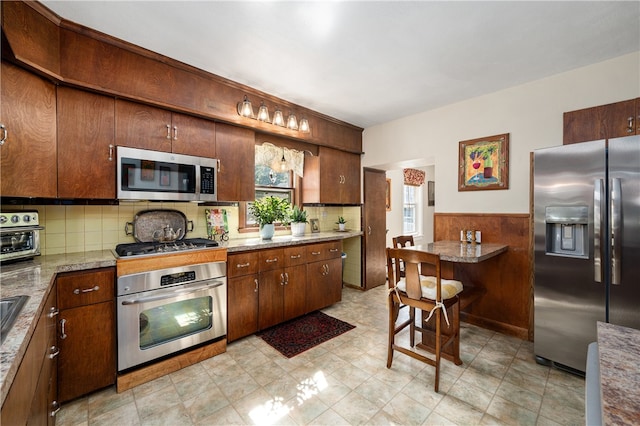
(616,230)
(598,196)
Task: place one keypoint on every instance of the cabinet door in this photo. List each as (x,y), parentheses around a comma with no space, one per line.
(87,360)
(324,280)
(86,145)
(350,188)
(28,157)
(143,126)
(271,299)
(193,136)
(295,292)
(235,148)
(334,178)
(242,309)
(600,122)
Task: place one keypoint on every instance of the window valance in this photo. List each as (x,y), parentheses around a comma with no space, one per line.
(271,156)
(414,177)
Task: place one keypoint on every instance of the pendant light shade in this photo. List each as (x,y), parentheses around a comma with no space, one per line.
(263,113)
(304,125)
(278,118)
(292,122)
(245,108)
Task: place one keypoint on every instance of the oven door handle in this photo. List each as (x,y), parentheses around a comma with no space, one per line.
(171,294)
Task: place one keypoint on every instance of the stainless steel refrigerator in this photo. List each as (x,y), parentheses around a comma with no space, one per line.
(587,245)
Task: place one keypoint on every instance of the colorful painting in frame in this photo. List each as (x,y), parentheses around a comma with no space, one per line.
(484,163)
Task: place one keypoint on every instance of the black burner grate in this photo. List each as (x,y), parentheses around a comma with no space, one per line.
(137,249)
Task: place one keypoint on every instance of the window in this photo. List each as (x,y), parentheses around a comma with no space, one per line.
(411,209)
(268,182)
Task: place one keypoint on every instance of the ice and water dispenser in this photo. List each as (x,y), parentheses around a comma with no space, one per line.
(567,229)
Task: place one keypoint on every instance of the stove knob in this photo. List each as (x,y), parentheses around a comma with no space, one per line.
(26,218)
(15,218)
(3,219)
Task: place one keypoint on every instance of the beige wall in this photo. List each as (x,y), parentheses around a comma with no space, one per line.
(530,113)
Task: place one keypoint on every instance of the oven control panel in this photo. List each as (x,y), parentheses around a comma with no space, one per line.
(178,278)
(19,219)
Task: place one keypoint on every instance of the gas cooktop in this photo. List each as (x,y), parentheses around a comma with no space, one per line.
(139,249)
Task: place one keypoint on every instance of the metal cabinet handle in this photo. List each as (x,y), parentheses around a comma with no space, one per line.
(296,257)
(5,134)
(55,407)
(63,335)
(110,152)
(54,352)
(275,259)
(53,311)
(256,289)
(315,253)
(281,279)
(242,265)
(86,290)
(630,128)
(168,131)
(333,250)
(175,133)
(369,229)
(286,278)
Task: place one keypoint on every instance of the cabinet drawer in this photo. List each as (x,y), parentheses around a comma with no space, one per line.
(85,287)
(271,259)
(295,256)
(242,264)
(323,251)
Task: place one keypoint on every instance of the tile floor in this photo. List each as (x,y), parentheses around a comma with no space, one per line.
(345,381)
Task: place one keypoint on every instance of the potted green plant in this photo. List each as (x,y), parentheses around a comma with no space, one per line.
(341,223)
(267,211)
(298,220)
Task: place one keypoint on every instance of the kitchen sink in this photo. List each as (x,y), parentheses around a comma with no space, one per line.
(10,307)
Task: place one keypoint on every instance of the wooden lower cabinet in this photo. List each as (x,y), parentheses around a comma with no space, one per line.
(86,332)
(268,287)
(324,286)
(32,396)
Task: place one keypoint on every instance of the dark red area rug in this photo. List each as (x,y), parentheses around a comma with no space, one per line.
(300,334)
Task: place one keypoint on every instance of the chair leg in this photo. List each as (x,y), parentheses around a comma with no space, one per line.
(455,322)
(438,344)
(412,326)
(393,314)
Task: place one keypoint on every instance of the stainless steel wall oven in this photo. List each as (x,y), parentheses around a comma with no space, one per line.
(161,312)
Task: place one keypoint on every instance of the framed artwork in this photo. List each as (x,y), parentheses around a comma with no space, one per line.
(431,193)
(388,195)
(147,170)
(484,163)
(165,176)
(315,225)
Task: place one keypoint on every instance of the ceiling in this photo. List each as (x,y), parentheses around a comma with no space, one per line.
(370,62)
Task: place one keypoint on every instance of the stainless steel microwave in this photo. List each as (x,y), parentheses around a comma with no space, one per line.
(152,175)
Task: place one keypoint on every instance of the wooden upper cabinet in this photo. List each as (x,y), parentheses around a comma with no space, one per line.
(602,122)
(332,177)
(235,148)
(28,112)
(156,129)
(193,136)
(142,126)
(86,130)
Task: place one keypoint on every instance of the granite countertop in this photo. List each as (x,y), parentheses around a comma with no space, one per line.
(35,277)
(455,251)
(619,357)
(238,245)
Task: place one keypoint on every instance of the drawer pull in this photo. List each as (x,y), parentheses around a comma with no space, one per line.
(315,253)
(333,250)
(53,311)
(86,290)
(275,259)
(296,256)
(256,289)
(242,265)
(63,335)
(54,352)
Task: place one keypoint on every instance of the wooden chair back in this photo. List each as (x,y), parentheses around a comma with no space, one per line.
(403,241)
(413,261)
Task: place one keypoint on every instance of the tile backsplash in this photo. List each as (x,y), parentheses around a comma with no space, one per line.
(79,228)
